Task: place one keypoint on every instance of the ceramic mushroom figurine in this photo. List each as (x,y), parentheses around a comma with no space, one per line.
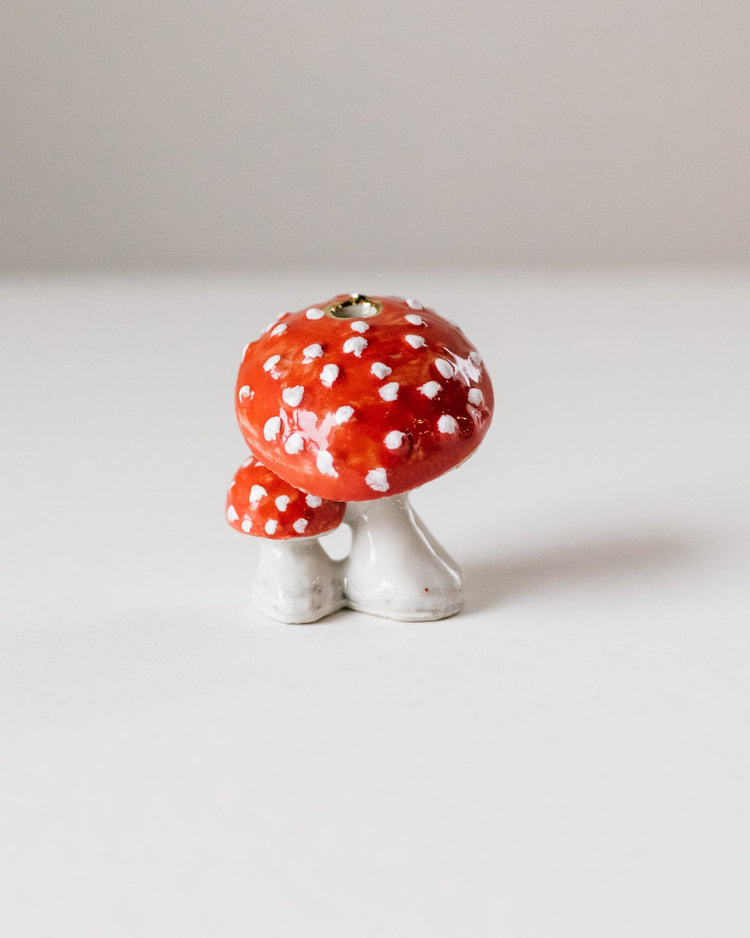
(296,580)
(360,400)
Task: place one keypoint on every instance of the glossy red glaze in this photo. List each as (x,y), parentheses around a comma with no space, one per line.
(257,497)
(416,398)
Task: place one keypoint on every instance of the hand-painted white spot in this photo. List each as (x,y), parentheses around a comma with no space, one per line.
(280,329)
(444,367)
(447,424)
(257,492)
(394,439)
(377,479)
(314,313)
(247,525)
(324,463)
(343,414)
(295,443)
(414,319)
(232,514)
(312,351)
(359,326)
(430,389)
(270,363)
(389,392)
(475,358)
(414,304)
(355,345)
(293,396)
(416,341)
(282,502)
(247,462)
(232,483)
(313,501)
(475,397)
(244,350)
(380,370)
(299,525)
(244,392)
(271,526)
(271,428)
(328,374)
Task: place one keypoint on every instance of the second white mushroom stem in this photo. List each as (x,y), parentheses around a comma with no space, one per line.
(395,567)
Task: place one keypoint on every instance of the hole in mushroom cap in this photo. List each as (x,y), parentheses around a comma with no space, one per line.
(357,306)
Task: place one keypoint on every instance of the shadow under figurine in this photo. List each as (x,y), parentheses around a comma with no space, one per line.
(346,408)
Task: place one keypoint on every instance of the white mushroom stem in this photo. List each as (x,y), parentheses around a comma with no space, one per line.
(396,568)
(297,581)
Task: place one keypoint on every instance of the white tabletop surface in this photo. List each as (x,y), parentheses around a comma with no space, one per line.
(567,757)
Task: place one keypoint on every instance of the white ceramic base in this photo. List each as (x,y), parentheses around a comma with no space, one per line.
(396,568)
(296,581)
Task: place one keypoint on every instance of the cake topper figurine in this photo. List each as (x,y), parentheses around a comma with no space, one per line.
(346,407)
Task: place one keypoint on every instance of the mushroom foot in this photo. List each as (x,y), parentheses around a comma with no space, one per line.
(297,582)
(396,569)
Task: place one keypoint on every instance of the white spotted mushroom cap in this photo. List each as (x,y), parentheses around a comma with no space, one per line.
(362,397)
(262,504)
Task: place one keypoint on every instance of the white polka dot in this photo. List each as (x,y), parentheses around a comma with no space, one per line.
(244,392)
(311,352)
(389,392)
(244,350)
(414,304)
(293,396)
(232,514)
(271,428)
(324,463)
(359,326)
(295,443)
(299,525)
(314,313)
(271,526)
(414,319)
(282,502)
(313,501)
(271,362)
(394,439)
(328,374)
(248,462)
(232,483)
(356,345)
(475,397)
(416,341)
(430,389)
(380,370)
(247,525)
(343,414)
(280,329)
(444,367)
(257,492)
(377,479)
(475,358)
(447,424)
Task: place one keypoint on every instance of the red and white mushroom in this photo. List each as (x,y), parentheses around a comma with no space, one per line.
(296,580)
(360,400)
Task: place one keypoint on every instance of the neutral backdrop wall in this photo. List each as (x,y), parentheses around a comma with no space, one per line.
(179,133)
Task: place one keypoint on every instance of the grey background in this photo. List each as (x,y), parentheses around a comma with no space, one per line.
(171,134)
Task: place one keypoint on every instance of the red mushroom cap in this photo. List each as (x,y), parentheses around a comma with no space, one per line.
(260,503)
(360,398)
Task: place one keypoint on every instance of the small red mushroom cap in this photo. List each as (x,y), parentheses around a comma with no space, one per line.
(362,397)
(262,504)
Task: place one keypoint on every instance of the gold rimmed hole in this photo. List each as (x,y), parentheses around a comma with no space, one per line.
(357,306)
